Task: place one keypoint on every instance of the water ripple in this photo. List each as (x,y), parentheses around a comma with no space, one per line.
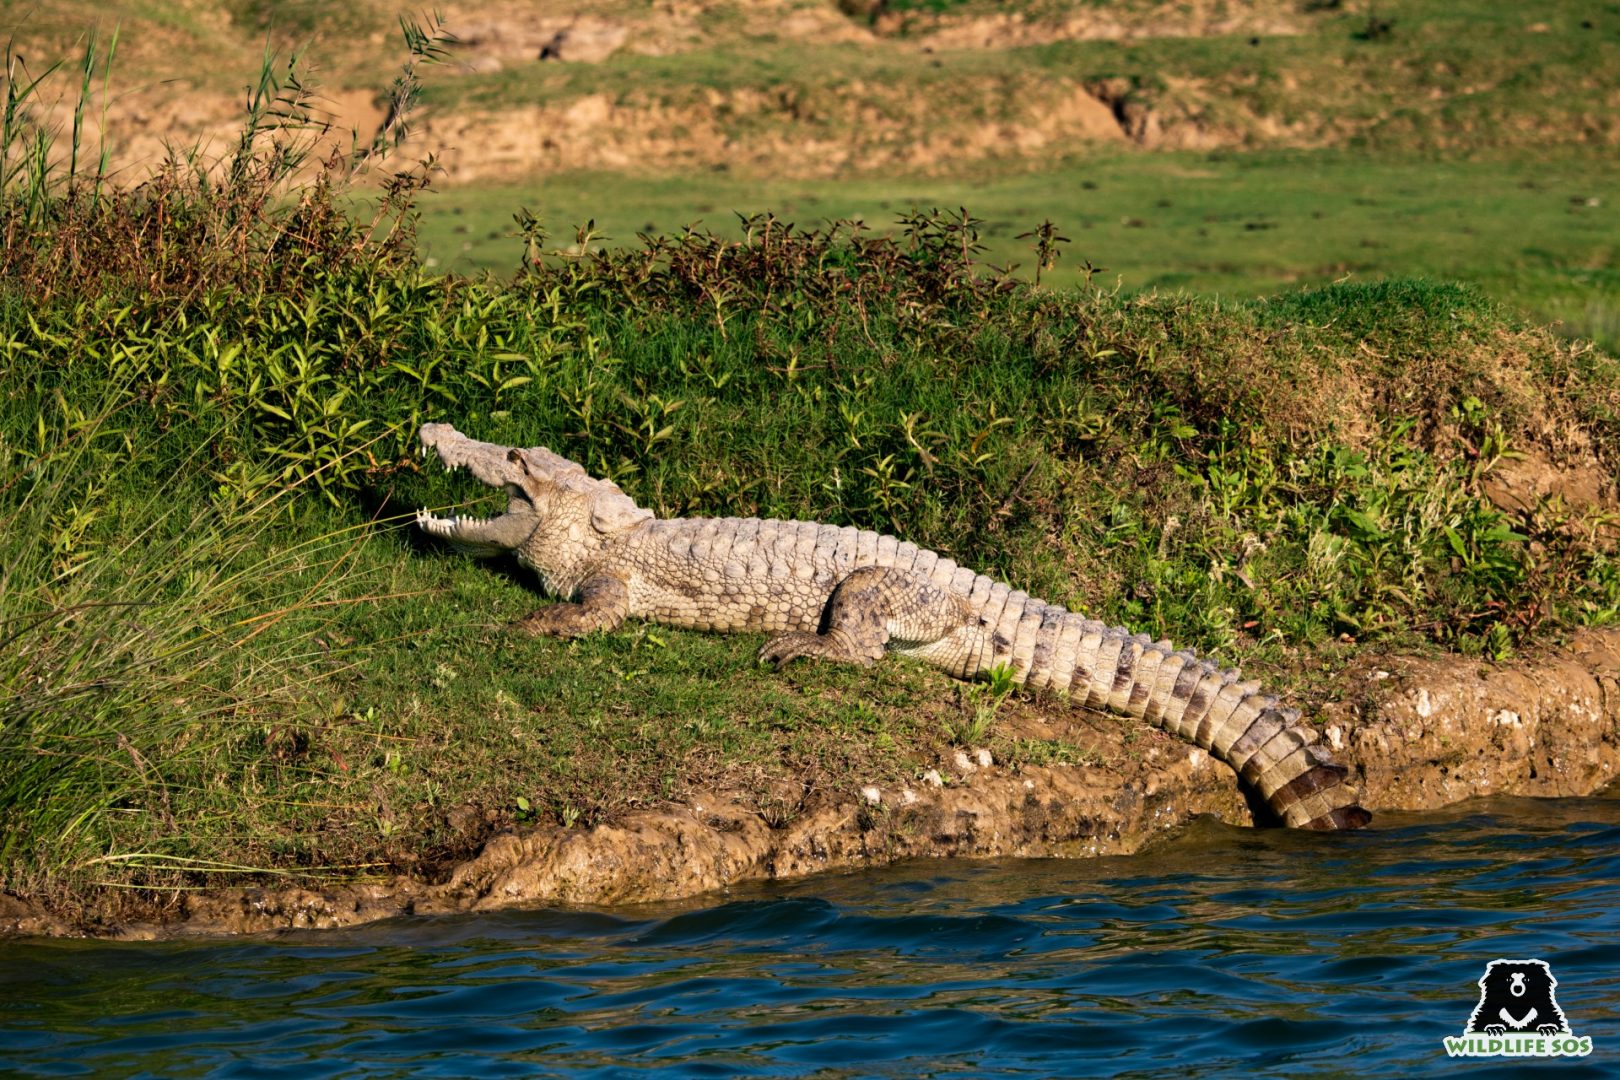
(1222,952)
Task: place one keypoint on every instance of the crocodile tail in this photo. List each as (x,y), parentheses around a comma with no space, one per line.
(1271,750)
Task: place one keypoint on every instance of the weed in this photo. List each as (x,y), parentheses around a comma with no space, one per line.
(134,656)
(983,700)
(1047,240)
(199,226)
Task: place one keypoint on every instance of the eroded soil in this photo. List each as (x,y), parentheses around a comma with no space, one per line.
(788,88)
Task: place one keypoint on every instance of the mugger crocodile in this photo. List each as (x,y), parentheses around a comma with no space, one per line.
(841,593)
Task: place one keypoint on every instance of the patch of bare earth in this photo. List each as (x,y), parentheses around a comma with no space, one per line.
(781,130)
(1529,482)
(974,27)
(157,124)
(1427,733)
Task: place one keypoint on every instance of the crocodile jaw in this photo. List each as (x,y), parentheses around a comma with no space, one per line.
(494,465)
(482,538)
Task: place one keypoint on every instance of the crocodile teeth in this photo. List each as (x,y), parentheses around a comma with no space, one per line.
(433,524)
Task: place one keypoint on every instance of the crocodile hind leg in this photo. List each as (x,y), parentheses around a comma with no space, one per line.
(603,604)
(872,609)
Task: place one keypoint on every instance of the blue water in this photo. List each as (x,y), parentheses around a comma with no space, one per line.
(1224,952)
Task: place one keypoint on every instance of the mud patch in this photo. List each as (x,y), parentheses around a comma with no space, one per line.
(1439,731)
(708,843)
(1523,484)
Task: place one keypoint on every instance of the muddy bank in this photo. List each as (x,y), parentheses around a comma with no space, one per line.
(1419,733)
(1427,733)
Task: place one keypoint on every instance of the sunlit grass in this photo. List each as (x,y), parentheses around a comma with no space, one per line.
(1537,235)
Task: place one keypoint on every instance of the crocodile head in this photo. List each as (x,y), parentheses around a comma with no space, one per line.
(541,488)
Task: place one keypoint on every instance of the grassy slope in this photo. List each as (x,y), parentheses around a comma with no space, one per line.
(1234,478)
(1463,144)
(1460,78)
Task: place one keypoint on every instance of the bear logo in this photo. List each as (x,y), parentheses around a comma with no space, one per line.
(1516,998)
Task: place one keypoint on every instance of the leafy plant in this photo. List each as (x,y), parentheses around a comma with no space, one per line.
(1047,252)
(986,699)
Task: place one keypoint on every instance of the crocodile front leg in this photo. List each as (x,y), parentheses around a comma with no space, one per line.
(872,609)
(603,604)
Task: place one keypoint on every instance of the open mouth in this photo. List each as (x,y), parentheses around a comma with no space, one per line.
(448,526)
(480,536)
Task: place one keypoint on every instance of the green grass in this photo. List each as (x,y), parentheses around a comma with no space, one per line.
(1538,235)
(198,688)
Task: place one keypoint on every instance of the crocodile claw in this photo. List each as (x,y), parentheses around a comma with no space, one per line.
(783,649)
(786,648)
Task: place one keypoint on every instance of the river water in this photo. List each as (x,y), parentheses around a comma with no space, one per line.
(1223,952)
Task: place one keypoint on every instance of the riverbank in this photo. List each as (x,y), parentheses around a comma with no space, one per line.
(230,661)
(995,967)
(235,662)
(209,688)
(1419,733)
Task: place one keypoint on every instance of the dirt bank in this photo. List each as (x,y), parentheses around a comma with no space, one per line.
(780,130)
(1420,733)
